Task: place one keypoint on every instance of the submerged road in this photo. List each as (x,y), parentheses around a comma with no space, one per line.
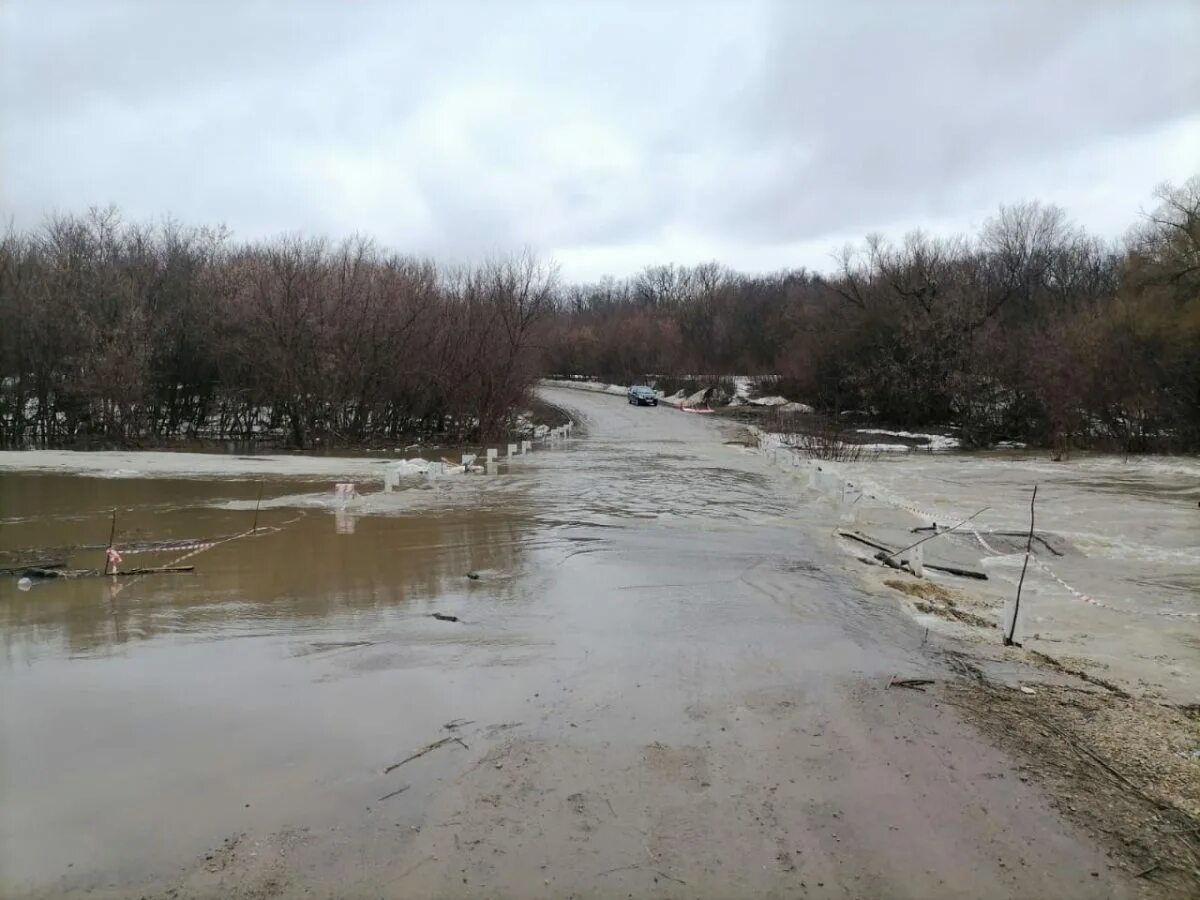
(666,682)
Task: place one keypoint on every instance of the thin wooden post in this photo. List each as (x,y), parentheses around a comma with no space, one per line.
(112,534)
(254,530)
(1008,638)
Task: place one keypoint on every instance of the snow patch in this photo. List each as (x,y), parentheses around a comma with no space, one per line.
(932,441)
(164,464)
(770,401)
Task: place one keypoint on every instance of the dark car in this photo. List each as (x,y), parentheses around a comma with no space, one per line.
(640,395)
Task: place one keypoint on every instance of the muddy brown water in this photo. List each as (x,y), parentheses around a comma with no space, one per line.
(321,566)
(666,683)
(190,687)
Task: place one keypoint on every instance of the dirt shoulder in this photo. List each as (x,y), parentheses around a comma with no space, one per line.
(1122,767)
(1125,766)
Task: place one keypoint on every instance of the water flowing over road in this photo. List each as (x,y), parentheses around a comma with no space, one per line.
(665,681)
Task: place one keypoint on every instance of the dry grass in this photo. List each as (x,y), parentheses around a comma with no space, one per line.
(818,437)
(938,601)
(1125,768)
(926,590)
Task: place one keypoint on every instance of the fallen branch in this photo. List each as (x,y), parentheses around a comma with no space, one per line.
(36,564)
(1087,753)
(426,749)
(937,567)
(917,684)
(886,560)
(657,872)
(954,570)
(46,573)
(37,572)
(1053,663)
(619,869)
(863,539)
(393,793)
(154,570)
(662,874)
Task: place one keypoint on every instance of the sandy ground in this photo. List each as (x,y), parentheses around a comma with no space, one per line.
(667,681)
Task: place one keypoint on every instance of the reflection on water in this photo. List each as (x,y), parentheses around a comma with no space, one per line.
(344,522)
(320,565)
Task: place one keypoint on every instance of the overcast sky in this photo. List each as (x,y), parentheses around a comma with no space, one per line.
(608,135)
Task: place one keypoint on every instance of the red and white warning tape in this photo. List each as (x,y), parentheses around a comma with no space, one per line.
(197,548)
(185,545)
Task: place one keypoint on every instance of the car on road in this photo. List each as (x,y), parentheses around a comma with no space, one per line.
(640,395)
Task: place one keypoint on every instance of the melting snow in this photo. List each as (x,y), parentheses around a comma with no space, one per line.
(932,441)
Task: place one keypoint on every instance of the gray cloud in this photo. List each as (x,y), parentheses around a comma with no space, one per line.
(877,116)
(608,134)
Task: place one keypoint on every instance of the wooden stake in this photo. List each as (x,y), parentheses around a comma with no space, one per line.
(1008,638)
(112,534)
(254,530)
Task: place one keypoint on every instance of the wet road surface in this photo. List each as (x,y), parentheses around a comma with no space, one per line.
(665,682)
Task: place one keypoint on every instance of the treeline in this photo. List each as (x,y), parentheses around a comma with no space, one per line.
(1029,330)
(133,335)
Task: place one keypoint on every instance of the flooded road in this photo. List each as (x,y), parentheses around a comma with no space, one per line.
(664,681)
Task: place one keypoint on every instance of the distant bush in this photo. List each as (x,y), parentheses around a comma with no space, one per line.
(128,334)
